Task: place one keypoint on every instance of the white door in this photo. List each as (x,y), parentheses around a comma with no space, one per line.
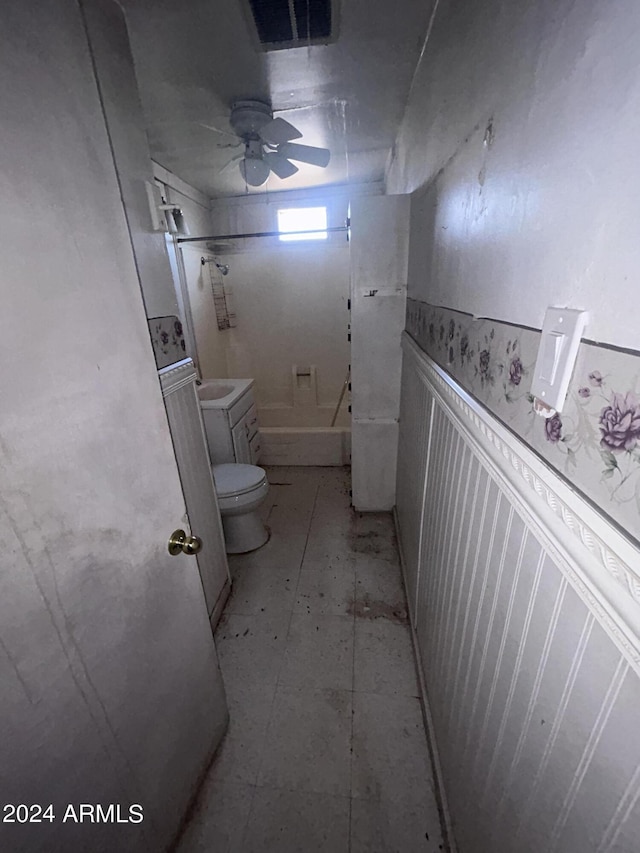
(110,691)
(194,466)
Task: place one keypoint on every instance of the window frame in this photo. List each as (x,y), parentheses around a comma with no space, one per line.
(322,233)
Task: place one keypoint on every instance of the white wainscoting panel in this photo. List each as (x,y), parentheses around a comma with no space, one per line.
(194,467)
(415,433)
(526,618)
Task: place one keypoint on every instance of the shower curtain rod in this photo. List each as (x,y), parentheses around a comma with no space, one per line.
(261,234)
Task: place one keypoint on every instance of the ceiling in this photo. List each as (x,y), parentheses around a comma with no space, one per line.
(194,58)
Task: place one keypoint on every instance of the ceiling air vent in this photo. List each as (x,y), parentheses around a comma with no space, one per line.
(293,23)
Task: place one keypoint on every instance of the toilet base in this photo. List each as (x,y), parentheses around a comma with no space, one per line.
(243,533)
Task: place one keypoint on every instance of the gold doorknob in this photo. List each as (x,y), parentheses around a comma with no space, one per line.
(181,543)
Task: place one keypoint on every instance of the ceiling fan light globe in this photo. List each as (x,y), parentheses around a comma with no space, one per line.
(255,171)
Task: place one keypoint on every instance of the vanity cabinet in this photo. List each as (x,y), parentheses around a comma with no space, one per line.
(246,438)
(230,421)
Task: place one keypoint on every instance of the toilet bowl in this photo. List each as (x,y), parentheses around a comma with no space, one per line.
(241,489)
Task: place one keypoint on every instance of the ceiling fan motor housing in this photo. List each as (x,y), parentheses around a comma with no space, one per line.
(248,117)
(253,149)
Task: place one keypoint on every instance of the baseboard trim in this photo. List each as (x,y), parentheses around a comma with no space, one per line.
(440,792)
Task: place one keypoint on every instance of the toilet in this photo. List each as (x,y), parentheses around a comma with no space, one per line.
(241,489)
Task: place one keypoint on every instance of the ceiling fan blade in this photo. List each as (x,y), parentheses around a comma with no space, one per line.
(227,166)
(277,131)
(305,154)
(236,144)
(217,129)
(280,166)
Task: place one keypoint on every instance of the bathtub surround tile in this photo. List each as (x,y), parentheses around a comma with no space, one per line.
(319,652)
(297,822)
(308,742)
(383,656)
(307,763)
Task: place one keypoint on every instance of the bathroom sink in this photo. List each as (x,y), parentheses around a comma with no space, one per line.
(213,391)
(222,393)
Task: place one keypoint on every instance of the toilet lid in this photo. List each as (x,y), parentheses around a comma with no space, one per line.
(236,479)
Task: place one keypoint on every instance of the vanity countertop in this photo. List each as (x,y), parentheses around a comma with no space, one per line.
(222,393)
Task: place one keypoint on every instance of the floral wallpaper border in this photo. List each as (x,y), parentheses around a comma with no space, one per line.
(594,443)
(167,339)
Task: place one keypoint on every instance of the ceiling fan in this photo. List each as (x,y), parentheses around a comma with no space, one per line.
(268,145)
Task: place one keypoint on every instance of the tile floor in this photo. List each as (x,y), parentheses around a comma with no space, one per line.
(326,748)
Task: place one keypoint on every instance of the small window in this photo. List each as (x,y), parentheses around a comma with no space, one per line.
(312,219)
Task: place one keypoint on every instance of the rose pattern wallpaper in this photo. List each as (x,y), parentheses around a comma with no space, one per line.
(594,443)
(167,338)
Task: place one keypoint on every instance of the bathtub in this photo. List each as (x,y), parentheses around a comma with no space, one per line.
(301,435)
